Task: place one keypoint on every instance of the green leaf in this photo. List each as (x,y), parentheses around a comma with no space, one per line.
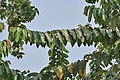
(1,48)
(103,31)
(30,37)
(32,74)
(87,33)
(5,50)
(80,35)
(43,39)
(2,70)
(25,37)
(72,33)
(115,68)
(64,49)
(109,33)
(65,61)
(117,42)
(117,48)
(60,37)
(95,34)
(37,11)
(105,58)
(92,64)
(90,13)
(75,69)
(65,55)
(36,38)
(18,35)
(86,10)
(48,38)
(72,36)
(103,16)
(9,73)
(65,33)
(2,26)
(95,13)
(20,77)
(96,16)
(20,55)
(91,1)
(12,32)
(79,42)
(80,39)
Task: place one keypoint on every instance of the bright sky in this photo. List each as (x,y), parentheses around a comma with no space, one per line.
(54,14)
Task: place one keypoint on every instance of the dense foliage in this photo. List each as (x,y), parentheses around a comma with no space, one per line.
(105,37)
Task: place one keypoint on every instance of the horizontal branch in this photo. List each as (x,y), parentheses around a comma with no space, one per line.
(83,35)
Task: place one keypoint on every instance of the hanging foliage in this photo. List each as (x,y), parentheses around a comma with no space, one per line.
(104,62)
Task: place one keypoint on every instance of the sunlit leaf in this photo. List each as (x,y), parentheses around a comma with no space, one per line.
(59,72)
(70,68)
(30,36)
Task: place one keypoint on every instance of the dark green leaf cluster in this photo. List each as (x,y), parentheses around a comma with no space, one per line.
(57,40)
(10,74)
(17,11)
(108,15)
(7,47)
(84,35)
(57,55)
(70,71)
(101,59)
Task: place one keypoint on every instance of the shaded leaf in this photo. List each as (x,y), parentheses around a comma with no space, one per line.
(2,26)
(86,10)
(18,35)
(72,36)
(49,38)
(43,39)
(90,13)
(36,38)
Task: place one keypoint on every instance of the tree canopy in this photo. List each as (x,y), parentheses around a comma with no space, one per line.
(104,62)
